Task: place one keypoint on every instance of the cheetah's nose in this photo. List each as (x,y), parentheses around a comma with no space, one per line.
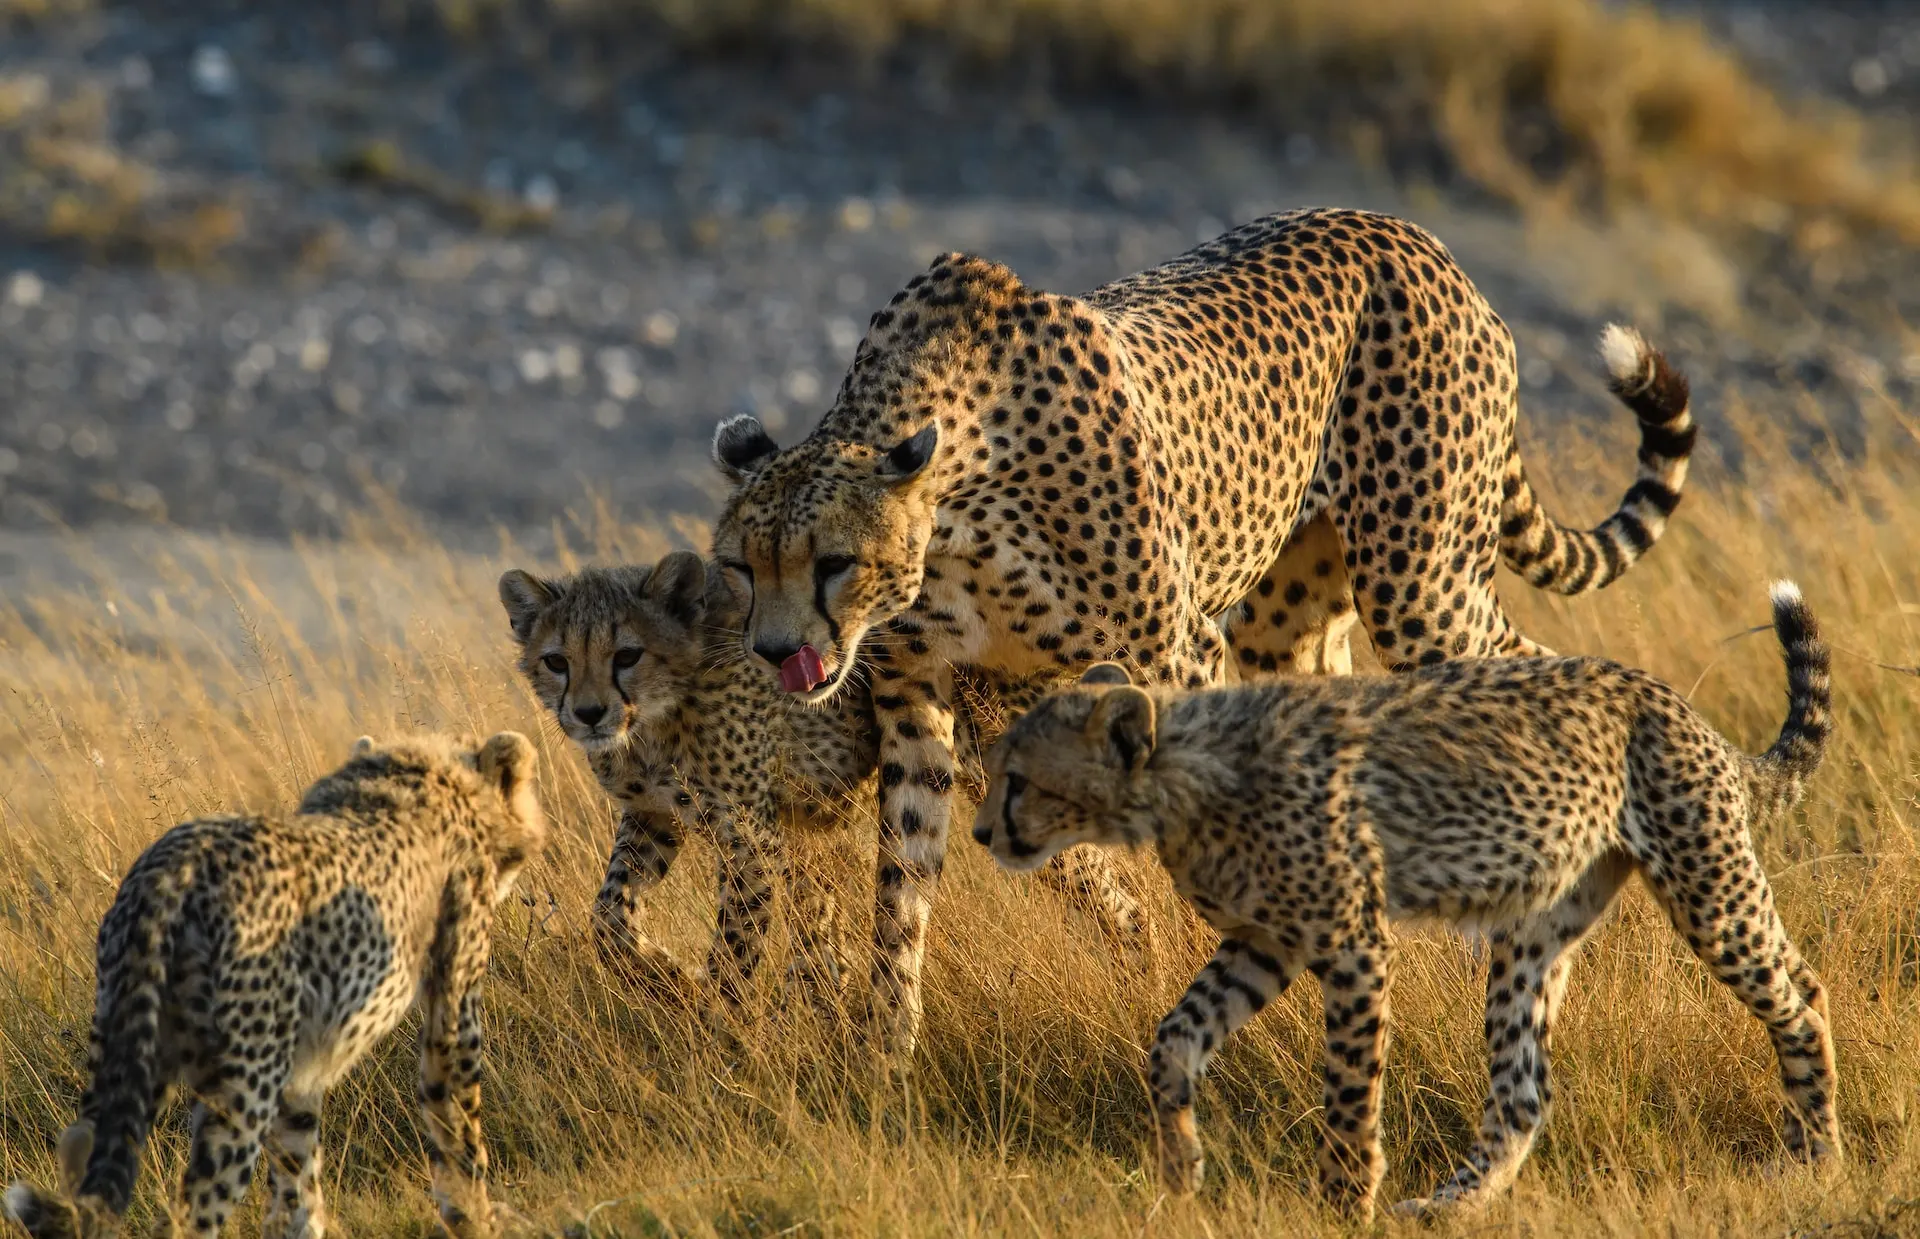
(983,835)
(776,650)
(589,715)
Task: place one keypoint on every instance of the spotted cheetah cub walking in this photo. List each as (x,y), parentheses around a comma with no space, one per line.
(1300,817)
(257,959)
(641,667)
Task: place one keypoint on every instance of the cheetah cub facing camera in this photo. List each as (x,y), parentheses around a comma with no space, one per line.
(258,959)
(1519,795)
(641,667)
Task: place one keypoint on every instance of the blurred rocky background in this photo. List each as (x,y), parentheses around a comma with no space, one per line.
(507,261)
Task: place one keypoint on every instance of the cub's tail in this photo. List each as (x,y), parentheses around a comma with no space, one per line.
(1573,561)
(1777,777)
(100,1154)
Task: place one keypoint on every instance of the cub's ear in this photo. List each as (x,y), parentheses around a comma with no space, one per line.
(678,584)
(363,746)
(1123,721)
(741,445)
(525,596)
(508,760)
(76,1146)
(1107,674)
(908,458)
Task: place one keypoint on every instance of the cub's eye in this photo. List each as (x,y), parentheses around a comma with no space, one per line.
(556,663)
(734,565)
(1016,783)
(827,567)
(625,659)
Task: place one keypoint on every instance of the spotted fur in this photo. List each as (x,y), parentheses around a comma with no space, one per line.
(257,959)
(1300,817)
(1303,425)
(641,667)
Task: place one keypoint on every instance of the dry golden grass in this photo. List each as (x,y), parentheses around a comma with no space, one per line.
(1548,103)
(230,675)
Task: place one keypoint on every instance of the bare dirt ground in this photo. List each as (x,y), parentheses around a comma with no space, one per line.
(719,232)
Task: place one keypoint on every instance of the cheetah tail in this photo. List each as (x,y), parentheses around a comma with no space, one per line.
(1778,776)
(127,1080)
(1573,561)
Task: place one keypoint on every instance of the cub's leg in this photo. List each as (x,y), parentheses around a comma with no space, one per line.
(295,1209)
(752,862)
(1353,992)
(645,845)
(1726,913)
(1243,976)
(238,1098)
(1526,978)
(819,967)
(450,1060)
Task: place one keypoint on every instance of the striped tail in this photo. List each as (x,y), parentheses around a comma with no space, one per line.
(100,1154)
(1571,561)
(1777,777)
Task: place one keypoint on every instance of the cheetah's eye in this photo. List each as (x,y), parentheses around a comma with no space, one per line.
(556,663)
(625,659)
(828,567)
(1016,783)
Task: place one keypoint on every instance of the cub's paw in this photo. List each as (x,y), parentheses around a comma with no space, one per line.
(1183,1166)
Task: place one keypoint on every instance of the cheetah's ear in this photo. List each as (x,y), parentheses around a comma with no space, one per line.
(508,759)
(741,445)
(909,458)
(76,1147)
(362,747)
(1123,721)
(525,596)
(679,584)
(1105,675)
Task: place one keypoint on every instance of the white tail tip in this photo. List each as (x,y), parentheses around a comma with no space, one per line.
(1784,593)
(19,1201)
(1625,352)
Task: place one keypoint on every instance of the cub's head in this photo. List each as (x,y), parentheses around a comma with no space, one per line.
(453,778)
(1061,774)
(825,540)
(610,651)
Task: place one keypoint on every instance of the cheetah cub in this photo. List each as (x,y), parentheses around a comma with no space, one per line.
(1300,817)
(641,667)
(258,959)
(633,667)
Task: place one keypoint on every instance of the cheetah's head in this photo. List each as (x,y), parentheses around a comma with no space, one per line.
(610,651)
(821,543)
(450,779)
(827,539)
(1062,773)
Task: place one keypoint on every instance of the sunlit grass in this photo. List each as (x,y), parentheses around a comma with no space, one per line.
(215,674)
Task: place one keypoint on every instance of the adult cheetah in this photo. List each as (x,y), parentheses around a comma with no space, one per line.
(1023,481)
(259,958)
(1300,816)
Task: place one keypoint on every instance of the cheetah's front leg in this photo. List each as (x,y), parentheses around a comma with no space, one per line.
(1243,976)
(645,845)
(913,708)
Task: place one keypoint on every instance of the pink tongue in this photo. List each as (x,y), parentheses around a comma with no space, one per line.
(803,671)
